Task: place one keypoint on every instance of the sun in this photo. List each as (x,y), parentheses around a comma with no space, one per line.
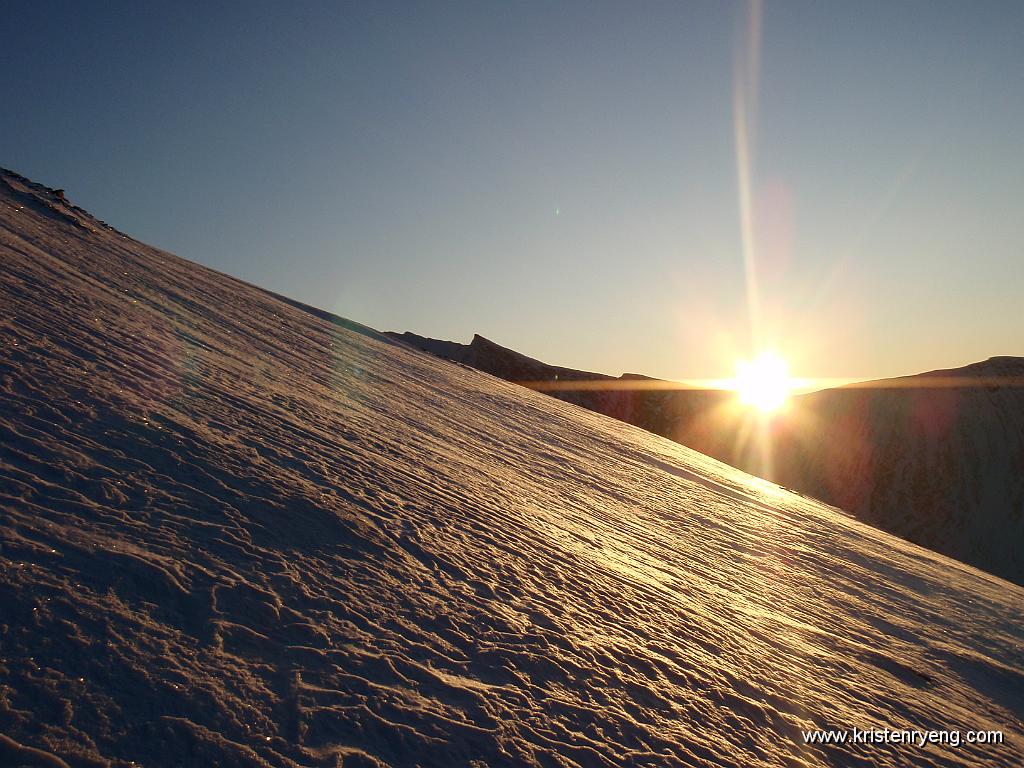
(763,382)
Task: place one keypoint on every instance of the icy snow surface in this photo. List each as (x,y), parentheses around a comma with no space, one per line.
(236,532)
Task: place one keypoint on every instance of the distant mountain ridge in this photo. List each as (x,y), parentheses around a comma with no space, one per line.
(657,410)
(936,458)
(483,354)
(999,365)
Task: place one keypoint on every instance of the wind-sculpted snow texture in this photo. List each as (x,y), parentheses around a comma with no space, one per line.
(940,466)
(237,533)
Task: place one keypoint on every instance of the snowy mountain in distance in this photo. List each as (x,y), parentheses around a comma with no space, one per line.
(941,466)
(239,531)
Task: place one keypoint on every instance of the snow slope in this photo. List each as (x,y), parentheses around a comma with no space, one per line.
(690,416)
(941,466)
(236,532)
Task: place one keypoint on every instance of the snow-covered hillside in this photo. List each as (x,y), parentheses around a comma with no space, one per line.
(238,533)
(941,466)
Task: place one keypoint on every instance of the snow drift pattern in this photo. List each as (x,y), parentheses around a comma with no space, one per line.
(941,466)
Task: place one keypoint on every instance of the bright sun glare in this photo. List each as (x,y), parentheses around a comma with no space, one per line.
(763,382)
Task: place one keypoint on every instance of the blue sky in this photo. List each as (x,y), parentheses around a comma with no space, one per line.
(561,177)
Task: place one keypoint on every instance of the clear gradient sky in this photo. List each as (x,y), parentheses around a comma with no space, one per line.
(561,177)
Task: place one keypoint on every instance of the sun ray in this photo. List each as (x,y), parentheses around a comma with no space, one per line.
(745,76)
